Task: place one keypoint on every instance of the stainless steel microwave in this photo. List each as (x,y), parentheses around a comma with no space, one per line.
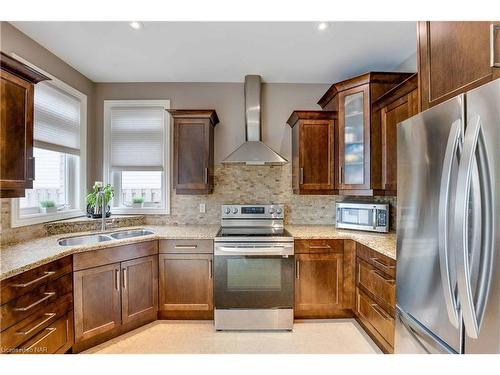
(373,217)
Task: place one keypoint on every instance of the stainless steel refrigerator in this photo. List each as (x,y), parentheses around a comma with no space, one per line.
(448,227)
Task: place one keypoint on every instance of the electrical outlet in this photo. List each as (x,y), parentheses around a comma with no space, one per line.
(202,208)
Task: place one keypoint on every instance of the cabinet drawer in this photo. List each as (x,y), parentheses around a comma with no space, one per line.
(28,304)
(318,246)
(375,316)
(27,328)
(377,283)
(186,246)
(379,261)
(55,338)
(21,284)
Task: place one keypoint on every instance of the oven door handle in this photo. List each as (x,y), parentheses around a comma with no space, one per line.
(254,250)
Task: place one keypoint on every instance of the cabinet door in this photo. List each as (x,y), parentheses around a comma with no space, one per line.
(186,286)
(97,300)
(316,155)
(318,285)
(390,117)
(139,288)
(354,138)
(16,136)
(454,57)
(192,155)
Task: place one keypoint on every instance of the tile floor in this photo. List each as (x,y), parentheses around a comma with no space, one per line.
(340,336)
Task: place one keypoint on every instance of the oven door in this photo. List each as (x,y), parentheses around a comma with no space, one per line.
(254,276)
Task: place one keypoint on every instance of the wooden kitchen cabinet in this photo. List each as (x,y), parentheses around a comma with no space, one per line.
(97,301)
(186,286)
(194,150)
(395,106)
(358,133)
(17,165)
(454,57)
(313,147)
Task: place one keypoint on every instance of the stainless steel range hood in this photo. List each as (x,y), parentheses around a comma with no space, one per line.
(253,151)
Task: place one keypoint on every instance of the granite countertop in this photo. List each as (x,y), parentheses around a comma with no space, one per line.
(384,243)
(23,256)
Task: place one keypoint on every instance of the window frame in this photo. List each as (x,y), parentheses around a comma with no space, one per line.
(17,220)
(107,171)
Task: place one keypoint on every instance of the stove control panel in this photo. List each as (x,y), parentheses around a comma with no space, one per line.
(253,211)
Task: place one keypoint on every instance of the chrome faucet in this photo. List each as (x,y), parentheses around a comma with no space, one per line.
(103,208)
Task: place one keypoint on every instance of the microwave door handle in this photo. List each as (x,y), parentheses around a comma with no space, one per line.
(374,218)
(473,308)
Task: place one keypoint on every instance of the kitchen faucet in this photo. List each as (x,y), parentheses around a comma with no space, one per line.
(103,208)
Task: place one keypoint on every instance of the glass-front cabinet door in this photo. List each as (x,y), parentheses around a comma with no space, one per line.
(353,127)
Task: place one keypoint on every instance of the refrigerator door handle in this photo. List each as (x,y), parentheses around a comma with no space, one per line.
(473,305)
(452,147)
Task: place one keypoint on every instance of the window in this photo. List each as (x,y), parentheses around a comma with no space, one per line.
(136,139)
(59,151)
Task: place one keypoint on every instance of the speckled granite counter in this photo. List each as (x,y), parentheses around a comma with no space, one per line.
(23,256)
(381,242)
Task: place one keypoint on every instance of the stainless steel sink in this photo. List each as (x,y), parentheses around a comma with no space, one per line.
(131,233)
(84,240)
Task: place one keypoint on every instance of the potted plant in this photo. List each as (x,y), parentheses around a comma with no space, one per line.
(47,206)
(94,201)
(137,202)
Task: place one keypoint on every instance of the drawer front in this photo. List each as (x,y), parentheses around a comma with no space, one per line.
(319,246)
(27,328)
(372,313)
(28,304)
(381,262)
(55,338)
(21,284)
(110,255)
(377,283)
(186,246)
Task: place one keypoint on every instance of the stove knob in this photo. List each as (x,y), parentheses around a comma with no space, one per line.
(279,211)
(227,210)
(271,210)
(235,210)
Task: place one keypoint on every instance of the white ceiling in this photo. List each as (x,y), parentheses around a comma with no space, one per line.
(295,52)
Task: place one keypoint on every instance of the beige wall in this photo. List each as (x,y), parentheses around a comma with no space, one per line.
(278,101)
(12,40)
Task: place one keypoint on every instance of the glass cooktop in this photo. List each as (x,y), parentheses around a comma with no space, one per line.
(252,232)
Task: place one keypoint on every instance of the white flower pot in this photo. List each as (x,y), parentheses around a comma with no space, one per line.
(47,210)
(138,205)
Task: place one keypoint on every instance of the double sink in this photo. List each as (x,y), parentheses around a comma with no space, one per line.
(94,238)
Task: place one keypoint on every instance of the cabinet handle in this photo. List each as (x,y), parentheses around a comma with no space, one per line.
(48,317)
(383,277)
(50,330)
(379,263)
(124,278)
(320,247)
(47,296)
(380,311)
(206,176)
(186,246)
(297,269)
(117,278)
(32,176)
(493,30)
(301,176)
(210,272)
(341,173)
(46,274)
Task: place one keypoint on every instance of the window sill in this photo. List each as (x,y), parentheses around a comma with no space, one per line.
(17,222)
(139,211)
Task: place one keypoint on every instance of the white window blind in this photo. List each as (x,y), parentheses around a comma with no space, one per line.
(56,119)
(137,138)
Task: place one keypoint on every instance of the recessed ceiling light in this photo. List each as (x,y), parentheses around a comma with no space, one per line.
(322,26)
(135,25)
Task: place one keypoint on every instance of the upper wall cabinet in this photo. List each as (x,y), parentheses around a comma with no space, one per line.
(313,145)
(454,57)
(395,106)
(194,150)
(17,165)
(359,152)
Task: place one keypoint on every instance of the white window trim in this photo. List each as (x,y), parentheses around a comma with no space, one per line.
(108,104)
(15,219)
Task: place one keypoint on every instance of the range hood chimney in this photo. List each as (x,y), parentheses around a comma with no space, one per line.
(253,151)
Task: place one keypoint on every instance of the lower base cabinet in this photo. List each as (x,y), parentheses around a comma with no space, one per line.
(186,286)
